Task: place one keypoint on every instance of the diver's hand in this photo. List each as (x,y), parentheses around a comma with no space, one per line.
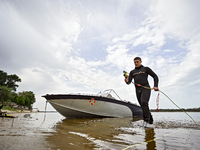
(155,88)
(126,80)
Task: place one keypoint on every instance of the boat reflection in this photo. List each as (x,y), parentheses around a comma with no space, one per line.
(91,133)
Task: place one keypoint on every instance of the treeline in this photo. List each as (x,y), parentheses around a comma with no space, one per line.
(8,95)
(177,110)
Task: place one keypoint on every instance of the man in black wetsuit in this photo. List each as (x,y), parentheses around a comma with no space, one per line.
(140,75)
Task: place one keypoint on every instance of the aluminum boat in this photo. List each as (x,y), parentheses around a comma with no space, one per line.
(99,105)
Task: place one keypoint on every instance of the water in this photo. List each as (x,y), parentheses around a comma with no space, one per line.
(172,130)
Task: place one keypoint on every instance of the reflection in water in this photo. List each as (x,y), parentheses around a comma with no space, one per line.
(172,131)
(91,133)
(117,133)
(150,135)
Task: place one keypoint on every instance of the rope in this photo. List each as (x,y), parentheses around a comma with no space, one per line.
(157,100)
(150,140)
(126,76)
(167,97)
(44,114)
(177,105)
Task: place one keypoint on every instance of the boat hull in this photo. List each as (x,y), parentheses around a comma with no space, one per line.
(79,106)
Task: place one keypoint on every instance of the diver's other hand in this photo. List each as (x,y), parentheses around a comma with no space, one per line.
(126,80)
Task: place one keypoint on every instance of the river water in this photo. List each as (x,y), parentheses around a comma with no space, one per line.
(171,130)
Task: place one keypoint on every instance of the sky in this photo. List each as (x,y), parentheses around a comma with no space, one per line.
(72,46)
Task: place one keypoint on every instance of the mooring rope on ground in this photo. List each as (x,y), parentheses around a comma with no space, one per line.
(44,114)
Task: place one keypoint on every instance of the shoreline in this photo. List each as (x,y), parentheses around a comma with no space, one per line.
(173,110)
(17,111)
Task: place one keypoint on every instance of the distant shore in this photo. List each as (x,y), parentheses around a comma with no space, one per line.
(176,110)
(11,110)
(17,111)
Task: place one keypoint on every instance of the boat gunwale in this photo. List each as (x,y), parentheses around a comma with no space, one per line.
(87,97)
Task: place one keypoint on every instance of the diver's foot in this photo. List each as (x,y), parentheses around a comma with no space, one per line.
(147,125)
(150,120)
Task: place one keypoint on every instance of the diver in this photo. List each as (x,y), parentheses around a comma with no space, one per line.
(140,75)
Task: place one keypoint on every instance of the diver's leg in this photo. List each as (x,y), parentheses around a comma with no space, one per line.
(138,94)
(145,96)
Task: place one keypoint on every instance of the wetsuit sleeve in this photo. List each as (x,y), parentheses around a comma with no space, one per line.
(130,78)
(154,76)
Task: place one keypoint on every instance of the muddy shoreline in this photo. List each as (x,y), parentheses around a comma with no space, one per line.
(18,133)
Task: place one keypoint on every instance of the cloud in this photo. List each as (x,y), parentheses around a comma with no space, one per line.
(168,50)
(36,35)
(83,46)
(161,24)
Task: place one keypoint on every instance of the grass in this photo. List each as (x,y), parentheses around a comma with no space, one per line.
(8,108)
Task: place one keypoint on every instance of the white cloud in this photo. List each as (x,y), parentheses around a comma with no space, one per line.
(161,24)
(168,50)
(83,46)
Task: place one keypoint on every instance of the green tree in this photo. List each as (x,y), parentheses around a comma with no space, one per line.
(3,77)
(27,102)
(5,94)
(9,80)
(14,97)
(21,100)
(30,97)
(8,87)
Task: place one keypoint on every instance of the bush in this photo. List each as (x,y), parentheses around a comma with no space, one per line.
(8,108)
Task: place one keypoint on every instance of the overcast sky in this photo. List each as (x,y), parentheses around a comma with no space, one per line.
(71,46)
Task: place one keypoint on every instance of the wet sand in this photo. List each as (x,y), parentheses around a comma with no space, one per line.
(18,133)
(52,131)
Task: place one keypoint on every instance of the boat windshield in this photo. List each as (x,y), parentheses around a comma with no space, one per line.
(106,93)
